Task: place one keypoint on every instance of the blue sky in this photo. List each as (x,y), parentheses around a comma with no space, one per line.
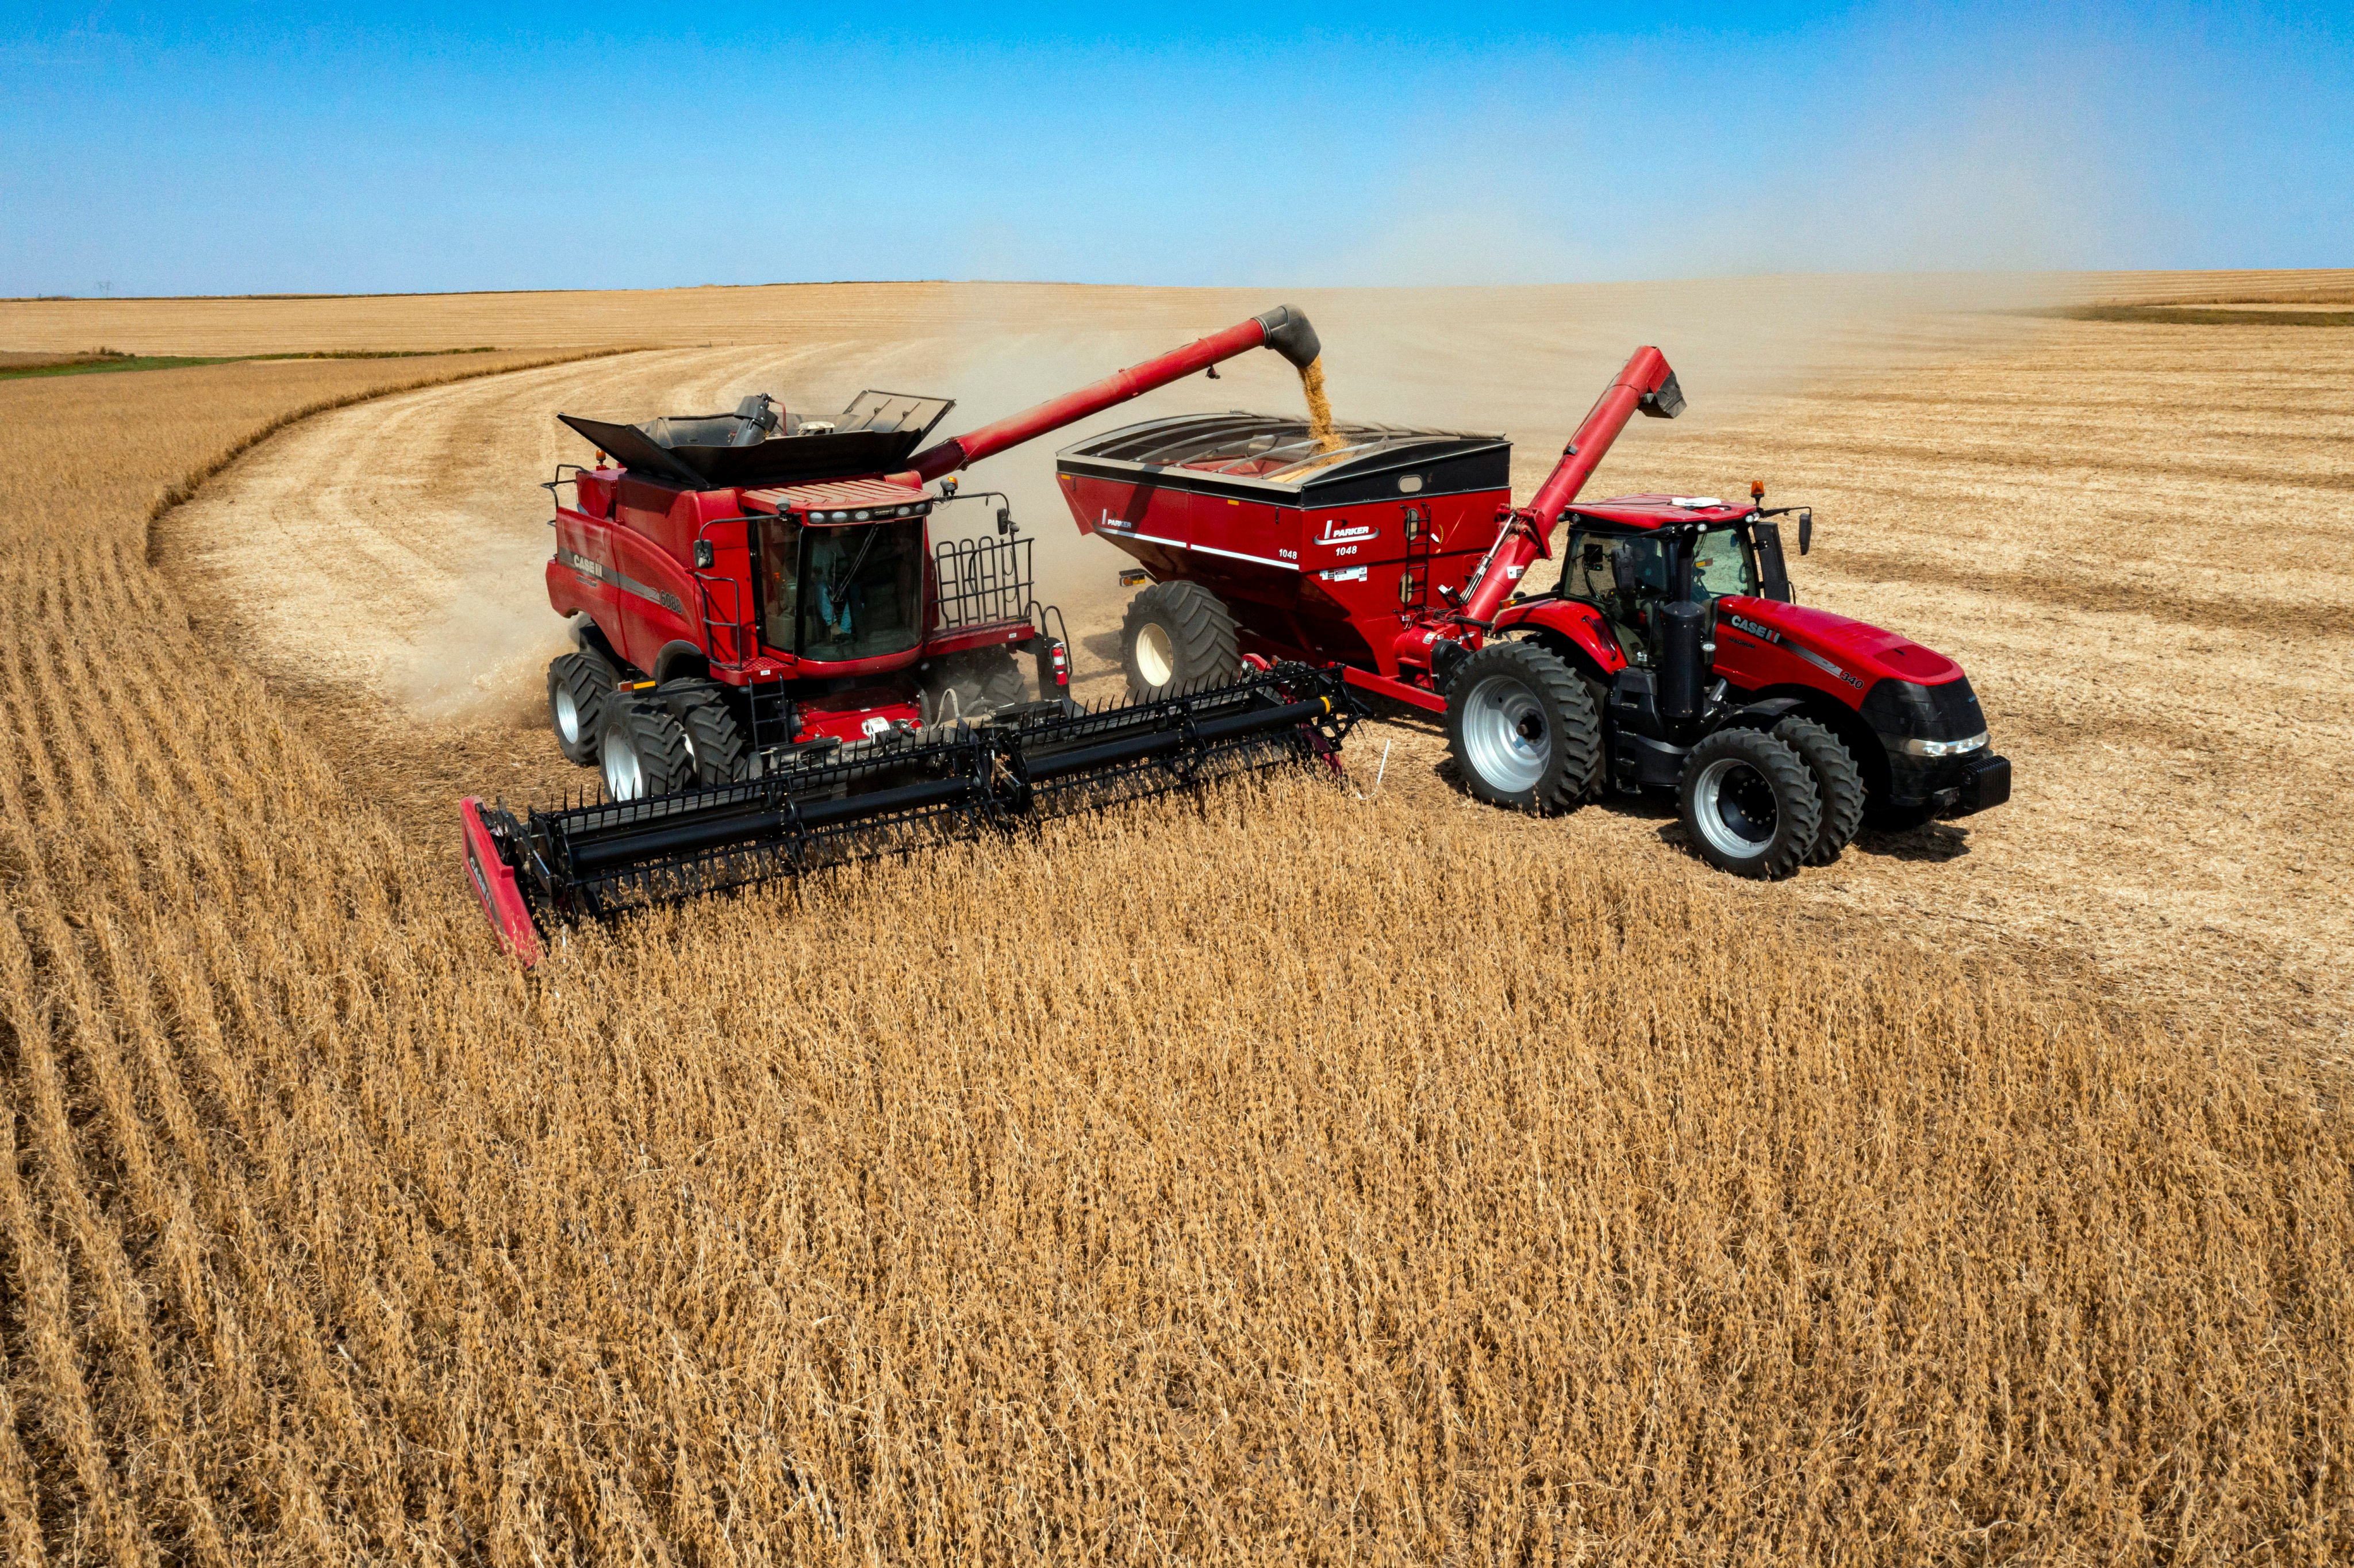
(435,147)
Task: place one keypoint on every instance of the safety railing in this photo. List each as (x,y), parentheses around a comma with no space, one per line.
(983,582)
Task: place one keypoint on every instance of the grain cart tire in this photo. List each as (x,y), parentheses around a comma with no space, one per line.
(1837,784)
(1523,728)
(1749,804)
(966,685)
(578,686)
(1177,637)
(644,749)
(713,740)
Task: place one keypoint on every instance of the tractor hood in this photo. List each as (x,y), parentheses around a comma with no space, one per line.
(1861,652)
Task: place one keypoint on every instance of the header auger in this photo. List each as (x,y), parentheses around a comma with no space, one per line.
(777,667)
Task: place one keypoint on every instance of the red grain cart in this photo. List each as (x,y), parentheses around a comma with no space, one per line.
(1671,653)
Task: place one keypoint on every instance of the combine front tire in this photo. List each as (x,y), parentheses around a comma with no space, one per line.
(645,749)
(1178,637)
(713,740)
(578,687)
(1837,784)
(1749,804)
(1522,728)
(967,685)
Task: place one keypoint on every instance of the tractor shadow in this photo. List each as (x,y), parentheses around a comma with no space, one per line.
(1932,843)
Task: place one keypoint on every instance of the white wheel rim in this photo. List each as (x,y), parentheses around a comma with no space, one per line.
(624,778)
(1726,802)
(1156,656)
(568,717)
(1504,734)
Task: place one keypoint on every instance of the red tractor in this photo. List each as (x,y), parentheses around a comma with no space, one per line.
(778,667)
(1670,654)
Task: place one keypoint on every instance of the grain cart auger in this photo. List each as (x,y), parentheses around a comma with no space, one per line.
(1670,654)
(777,667)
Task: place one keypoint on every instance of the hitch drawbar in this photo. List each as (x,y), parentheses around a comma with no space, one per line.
(596,860)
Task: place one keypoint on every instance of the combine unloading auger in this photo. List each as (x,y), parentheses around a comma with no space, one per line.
(953,783)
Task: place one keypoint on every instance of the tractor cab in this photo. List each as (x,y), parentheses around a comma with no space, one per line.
(1628,556)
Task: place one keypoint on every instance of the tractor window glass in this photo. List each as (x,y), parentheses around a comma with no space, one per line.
(1723,563)
(862,591)
(780,578)
(1592,574)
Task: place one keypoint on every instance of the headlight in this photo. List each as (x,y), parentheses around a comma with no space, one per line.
(1945,747)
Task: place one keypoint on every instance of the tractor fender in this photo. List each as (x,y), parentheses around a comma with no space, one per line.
(1853,731)
(1761,715)
(1573,631)
(680,659)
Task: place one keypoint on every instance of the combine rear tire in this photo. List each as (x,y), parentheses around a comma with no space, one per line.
(578,686)
(1523,728)
(645,749)
(1837,784)
(713,740)
(1177,637)
(1749,804)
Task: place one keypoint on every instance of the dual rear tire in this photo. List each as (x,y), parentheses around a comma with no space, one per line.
(1523,729)
(645,742)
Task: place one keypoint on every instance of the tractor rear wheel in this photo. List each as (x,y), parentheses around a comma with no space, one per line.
(645,747)
(1523,728)
(713,740)
(1749,804)
(1837,784)
(1178,637)
(578,685)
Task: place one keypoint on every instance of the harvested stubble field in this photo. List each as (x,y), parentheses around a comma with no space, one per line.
(1279,1176)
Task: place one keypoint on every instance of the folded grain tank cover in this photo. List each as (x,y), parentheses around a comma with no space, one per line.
(874,435)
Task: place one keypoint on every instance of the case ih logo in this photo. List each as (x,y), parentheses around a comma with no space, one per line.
(1339,533)
(1763,634)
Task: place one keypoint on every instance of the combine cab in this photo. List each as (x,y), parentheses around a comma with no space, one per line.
(1671,655)
(778,665)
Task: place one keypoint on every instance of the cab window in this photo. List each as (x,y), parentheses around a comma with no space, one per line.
(1722,563)
(780,576)
(1591,573)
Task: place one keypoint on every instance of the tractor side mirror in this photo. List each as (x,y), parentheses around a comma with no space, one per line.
(703,555)
(1806,531)
(1007,527)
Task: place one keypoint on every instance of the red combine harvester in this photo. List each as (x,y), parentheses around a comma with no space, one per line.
(777,668)
(1670,654)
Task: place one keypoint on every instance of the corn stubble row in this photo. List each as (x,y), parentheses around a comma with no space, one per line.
(1272,1177)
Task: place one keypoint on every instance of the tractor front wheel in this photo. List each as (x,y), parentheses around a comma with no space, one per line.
(1749,804)
(1837,784)
(578,686)
(1178,637)
(644,749)
(1523,728)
